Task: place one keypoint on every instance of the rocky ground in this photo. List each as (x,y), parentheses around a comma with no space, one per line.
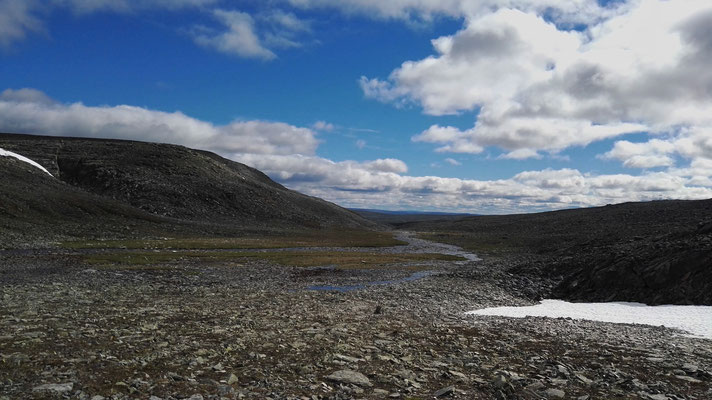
(250,329)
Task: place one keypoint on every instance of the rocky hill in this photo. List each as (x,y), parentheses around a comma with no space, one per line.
(653,252)
(111,183)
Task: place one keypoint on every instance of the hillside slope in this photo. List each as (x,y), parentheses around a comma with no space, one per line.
(167,183)
(35,207)
(654,252)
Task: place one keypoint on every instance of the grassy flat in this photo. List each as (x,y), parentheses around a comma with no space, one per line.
(308,239)
(338,259)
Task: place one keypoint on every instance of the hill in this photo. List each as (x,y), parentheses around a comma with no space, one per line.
(653,252)
(152,187)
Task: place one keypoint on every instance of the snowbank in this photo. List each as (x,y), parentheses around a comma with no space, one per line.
(696,320)
(5,153)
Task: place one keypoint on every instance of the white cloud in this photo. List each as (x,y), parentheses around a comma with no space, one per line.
(564,11)
(520,154)
(387,165)
(323,126)
(91,6)
(642,66)
(25,95)
(655,153)
(239,33)
(361,144)
(288,154)
(287,21)
(30,111)
(20,17)
(455,140)
(17,18)
(240,39)
(453,161)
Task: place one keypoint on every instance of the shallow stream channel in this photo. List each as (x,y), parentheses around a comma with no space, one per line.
(414,246)
(694,321)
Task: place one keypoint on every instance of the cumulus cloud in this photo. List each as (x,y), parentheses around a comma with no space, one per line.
(31,111)
(26,95)
(537,85)
(655,153)
(387,165)
(289,154)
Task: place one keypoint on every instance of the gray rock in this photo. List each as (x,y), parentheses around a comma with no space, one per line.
(446,391)
(690,368)
(232,379)
(54,388)
(349,377)
(536,386)
(688,379)
(500,380)
(555,393)
(583,379)
(656,396)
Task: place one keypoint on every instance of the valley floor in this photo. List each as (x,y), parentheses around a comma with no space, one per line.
(204,328)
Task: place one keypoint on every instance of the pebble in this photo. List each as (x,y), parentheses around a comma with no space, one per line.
(54,388)
(349,377)
(446,391)
(555,393)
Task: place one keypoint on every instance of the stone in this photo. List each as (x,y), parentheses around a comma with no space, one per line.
(54,388)
(688,379)
(232,379)
(459,375)
(349,377)
(554,393)
(347,359)
(583,379)
(536,386)
(690,368)
(380,392)
(500,380)
(657,397)
(446,391)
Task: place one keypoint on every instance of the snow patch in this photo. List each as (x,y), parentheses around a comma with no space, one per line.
(5,153)
(696,320)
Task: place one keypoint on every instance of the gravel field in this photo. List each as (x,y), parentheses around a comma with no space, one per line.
(248,328)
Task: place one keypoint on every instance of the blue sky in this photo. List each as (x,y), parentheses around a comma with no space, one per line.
(411,104)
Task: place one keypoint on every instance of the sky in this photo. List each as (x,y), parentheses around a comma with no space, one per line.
(478,106)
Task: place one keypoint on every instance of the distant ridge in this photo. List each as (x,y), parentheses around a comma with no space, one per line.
(409,212)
